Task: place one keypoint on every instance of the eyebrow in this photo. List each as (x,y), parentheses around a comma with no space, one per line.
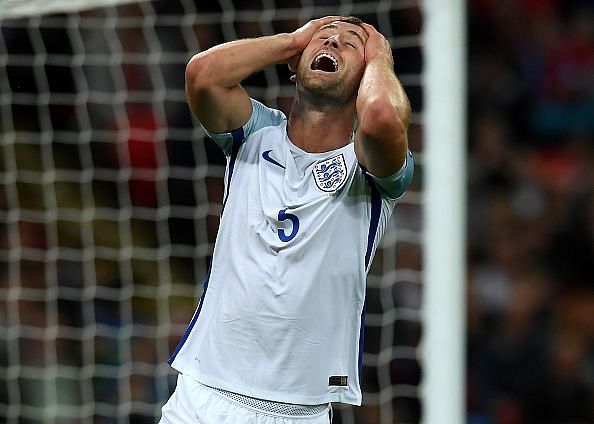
(351,31)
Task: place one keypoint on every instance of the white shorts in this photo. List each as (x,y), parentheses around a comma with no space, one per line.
(195,403)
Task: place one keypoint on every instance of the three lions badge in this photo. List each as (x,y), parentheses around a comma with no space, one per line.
(330,173)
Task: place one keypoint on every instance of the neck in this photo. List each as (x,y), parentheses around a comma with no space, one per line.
(320,128)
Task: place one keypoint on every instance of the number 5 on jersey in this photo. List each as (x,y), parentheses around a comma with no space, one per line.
(284,216)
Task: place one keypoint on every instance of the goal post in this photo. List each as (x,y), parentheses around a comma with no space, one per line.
(110,195)
(444,307)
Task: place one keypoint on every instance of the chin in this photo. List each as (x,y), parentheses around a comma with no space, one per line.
(320,90)
(322,83)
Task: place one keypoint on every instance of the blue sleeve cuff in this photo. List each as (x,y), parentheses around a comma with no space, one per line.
(393,186)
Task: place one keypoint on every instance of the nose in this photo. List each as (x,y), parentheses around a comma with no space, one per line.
(331,41)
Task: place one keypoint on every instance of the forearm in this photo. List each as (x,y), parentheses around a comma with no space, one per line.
(213,78)
(382,104)
(383,110)
(228,64)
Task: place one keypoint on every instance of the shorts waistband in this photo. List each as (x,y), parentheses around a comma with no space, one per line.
(290,409)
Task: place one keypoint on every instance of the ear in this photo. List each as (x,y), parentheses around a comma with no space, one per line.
(293,62)
(293,78)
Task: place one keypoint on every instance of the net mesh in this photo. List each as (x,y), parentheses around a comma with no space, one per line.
(110,196)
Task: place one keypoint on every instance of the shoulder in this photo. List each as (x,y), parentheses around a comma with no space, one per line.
(261,117)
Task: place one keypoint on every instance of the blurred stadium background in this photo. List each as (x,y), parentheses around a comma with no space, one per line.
(110,195)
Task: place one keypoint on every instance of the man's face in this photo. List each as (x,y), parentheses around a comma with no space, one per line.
(333,62)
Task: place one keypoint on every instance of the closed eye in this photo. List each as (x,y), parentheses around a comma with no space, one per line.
(348,44)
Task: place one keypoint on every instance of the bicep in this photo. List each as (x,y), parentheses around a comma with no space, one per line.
(220,109)
(381,156)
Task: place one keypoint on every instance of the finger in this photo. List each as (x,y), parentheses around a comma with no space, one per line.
(370,29)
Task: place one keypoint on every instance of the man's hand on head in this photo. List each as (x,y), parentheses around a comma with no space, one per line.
(303,35)
(377,45)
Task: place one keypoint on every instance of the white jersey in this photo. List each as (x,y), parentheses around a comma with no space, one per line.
(282,313)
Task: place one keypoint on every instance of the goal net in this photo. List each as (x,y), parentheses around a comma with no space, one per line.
(110,195)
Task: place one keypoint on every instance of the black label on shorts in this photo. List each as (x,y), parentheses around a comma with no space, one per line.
(338,380)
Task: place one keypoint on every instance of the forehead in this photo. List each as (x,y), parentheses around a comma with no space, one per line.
(341,26)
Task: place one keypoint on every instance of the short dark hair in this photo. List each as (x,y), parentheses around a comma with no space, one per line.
(352,20)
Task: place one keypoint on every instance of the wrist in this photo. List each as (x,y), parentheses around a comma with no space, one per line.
(382,58)
(292,45)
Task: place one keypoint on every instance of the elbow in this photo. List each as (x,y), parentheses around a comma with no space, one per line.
(384,119)
(198,73)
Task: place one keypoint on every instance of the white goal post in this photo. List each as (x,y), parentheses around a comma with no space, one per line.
(444,308)
(110,195)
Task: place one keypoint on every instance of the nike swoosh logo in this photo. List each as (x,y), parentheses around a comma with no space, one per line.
(266,156)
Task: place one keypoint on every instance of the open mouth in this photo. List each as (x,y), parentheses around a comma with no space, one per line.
(325,63)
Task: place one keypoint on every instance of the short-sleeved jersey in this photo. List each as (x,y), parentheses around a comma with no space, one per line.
(281,316)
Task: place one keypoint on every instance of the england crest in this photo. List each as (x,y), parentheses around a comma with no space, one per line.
(330,173)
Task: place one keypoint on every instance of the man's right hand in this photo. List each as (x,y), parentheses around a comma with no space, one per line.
(303,35)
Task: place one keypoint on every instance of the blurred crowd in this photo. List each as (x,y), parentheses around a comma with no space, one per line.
(531,212)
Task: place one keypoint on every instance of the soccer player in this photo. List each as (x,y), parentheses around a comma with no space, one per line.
(277,335)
